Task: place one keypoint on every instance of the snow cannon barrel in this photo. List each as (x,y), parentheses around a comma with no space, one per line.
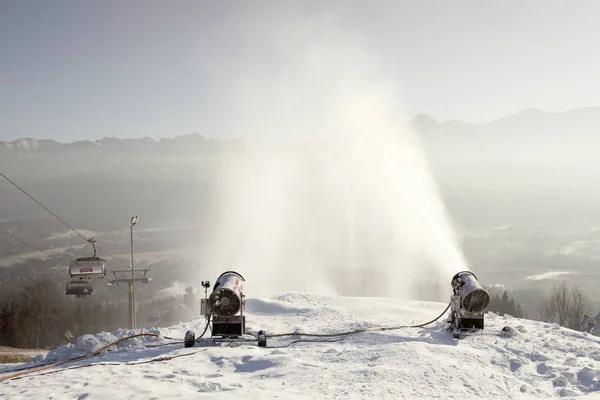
(226,298)
(473,298)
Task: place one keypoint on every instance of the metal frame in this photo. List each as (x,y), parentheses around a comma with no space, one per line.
(130,281)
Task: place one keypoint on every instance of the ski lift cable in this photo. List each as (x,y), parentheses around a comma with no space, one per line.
(58,218)
(28,245)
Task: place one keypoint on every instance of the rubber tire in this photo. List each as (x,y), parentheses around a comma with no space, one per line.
(507,331)
(189,339)
(262,338)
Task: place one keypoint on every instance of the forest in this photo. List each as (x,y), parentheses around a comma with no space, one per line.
(40,316)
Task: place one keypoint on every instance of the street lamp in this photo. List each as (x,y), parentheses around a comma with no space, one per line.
(133,221)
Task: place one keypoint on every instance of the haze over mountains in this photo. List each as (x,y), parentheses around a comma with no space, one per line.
(531,164)
(531,169)
(29,146)
(527,125)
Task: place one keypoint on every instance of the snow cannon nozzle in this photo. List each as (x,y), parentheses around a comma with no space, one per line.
(473,297)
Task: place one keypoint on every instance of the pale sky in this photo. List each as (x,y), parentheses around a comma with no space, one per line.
(74,70)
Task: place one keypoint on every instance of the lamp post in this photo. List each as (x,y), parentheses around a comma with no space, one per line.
(133,221)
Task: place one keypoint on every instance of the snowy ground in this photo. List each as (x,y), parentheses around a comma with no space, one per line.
(548,275)
(19,258)
(540,361)
(485,232)
(71,234)
(582,248)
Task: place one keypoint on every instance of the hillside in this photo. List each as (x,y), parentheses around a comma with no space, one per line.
(540,361)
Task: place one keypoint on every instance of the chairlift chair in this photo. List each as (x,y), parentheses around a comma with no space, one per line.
(79,289)
(83,269)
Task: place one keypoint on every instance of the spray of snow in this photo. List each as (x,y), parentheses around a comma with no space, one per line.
(328,193)
(175,289)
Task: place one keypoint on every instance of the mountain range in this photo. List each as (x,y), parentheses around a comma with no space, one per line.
(532,120)
(531,165)
(24,147)
(529,124)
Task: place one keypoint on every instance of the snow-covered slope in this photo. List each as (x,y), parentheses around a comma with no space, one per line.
(540,361)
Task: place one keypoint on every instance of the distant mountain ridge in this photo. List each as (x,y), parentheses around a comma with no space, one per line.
(530,122)
(583,120)
(24,147)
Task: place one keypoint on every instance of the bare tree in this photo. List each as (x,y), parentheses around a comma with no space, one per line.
(41,301)
(12,320)
(565,307)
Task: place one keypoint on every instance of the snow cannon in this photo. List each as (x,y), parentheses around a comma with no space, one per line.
(468,303)
(224,309)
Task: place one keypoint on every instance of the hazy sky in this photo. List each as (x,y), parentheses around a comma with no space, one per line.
(72,70)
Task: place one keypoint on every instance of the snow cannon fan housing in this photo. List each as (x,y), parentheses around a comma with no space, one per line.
(473,298)
(226,298)
(225,305)
(468,302)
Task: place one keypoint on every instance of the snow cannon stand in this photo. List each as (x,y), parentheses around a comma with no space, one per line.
(468,303)
(224,313)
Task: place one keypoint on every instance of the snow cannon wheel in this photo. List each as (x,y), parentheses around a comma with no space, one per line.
(262,338)
(507,332)
(189,339)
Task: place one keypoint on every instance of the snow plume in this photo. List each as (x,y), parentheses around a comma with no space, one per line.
(326,192)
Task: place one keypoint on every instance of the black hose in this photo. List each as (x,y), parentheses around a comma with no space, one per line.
(208,321)
(342,338)
(114,363)
(355,331)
